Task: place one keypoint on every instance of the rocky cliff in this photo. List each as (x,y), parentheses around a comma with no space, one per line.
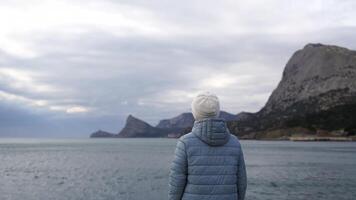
(173,127)
(316,96)
(312,72)
(135,127)
(317,92)
(181,121)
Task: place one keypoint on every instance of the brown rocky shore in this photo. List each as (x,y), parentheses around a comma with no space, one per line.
(299,134)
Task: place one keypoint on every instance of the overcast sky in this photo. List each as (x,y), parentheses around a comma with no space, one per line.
(68,68)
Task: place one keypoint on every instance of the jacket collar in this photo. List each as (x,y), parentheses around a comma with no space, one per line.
(212,131)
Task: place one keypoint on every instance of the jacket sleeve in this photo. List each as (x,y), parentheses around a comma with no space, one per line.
(178,172)
(241,177)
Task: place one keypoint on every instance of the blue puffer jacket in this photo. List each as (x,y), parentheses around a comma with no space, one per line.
(208,164)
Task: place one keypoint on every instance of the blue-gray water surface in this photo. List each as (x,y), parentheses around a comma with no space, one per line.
(137,169)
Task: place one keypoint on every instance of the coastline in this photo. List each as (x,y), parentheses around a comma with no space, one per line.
(318,139)
(306,139)
(292,138)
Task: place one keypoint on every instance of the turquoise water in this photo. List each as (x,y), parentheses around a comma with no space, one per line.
(137,169)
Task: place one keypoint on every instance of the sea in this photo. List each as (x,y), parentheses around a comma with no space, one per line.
(137,169)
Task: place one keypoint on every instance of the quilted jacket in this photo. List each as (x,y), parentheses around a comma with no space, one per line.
(208,164)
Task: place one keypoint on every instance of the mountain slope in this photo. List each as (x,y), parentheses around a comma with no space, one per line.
(317,92)
(181,121)
(135,127)
(186,120)
(173,127)
(314,71)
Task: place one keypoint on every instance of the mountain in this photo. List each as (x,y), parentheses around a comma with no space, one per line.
(101,133)
(173,127)
(186,120)
(243,116)
(316,96)
(135,127)
(228,116)
(317,92)
(317,72)
(181,121)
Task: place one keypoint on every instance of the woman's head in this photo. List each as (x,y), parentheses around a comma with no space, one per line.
(205,105)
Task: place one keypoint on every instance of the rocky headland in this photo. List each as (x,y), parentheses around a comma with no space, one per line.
(173,127)
(315,100)
(316,97)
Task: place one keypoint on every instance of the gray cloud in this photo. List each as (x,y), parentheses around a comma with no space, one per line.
(90,68)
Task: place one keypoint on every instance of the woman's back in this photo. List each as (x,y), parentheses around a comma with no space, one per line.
(208,164)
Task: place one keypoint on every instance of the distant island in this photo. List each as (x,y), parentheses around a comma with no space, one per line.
(314,101)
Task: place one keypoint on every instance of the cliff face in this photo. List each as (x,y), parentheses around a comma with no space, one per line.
(181,121)
(324,71)
(317,91)
(135,127)
(173,127)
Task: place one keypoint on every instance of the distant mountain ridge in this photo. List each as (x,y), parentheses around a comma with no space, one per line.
(135,127)
(102,134)
(316,96)
(172,127)
(185,120)
(181,121)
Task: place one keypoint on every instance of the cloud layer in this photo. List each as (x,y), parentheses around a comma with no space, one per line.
(68,68)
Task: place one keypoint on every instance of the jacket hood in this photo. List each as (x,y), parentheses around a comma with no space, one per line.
(212,131)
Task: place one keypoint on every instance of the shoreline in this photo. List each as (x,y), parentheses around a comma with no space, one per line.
(307,139)
(318,138)
(293,138)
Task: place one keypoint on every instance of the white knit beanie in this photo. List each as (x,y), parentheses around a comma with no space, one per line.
(205,105)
